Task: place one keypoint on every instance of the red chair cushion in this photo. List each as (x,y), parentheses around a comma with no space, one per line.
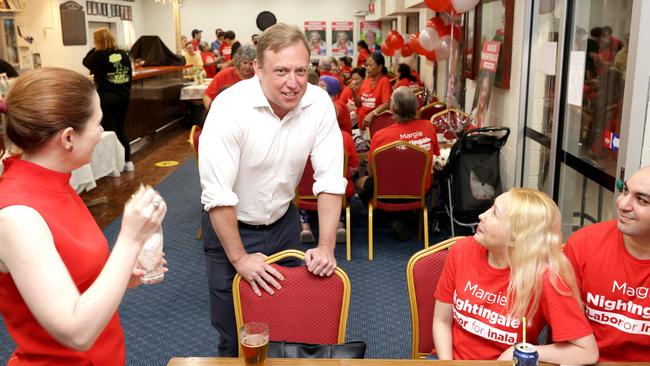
(307,308)
(426,274)
(382,120)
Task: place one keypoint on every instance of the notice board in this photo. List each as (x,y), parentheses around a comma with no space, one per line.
(73,24)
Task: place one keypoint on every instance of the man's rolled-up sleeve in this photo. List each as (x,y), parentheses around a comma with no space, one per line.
(219,154)
(327,155)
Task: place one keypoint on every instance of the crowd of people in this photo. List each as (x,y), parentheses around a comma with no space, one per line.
(61,286)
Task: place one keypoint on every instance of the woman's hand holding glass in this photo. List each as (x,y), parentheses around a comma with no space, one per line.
(143,215)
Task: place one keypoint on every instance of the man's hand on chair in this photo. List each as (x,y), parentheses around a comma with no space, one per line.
(320,261)
(258,273)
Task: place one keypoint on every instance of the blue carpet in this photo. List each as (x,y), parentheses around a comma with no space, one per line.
(172,318)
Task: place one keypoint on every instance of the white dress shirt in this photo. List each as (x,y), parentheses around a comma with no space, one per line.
(253,160)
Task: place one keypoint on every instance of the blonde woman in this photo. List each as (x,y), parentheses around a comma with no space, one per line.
(513,267)
(111,68)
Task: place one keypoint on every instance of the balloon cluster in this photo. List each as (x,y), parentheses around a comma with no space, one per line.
(437,39)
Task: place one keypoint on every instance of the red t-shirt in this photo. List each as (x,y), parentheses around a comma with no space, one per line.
(346,72)
(481,330)
(408,83)
(417,132)
(371,97)
(208,58)
(195,42)
(614,289)
(343,116)
(363,56)
(221,81)
(346,95)
(226,51)
(353,160)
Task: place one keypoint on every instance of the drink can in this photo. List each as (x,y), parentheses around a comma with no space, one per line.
(525,354)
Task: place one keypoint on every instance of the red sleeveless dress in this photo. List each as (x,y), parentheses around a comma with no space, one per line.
(84,251)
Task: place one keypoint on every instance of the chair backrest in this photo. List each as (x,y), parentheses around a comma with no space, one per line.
(304,197)
(382,120)
(399,171)
(422,273)
(430,109)
(450,122)
(195,133)
(308,308)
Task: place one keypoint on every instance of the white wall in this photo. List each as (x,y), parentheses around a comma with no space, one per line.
(41,19)
(239,16)
(504,103)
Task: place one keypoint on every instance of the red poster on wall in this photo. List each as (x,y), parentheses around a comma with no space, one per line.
(315,32)
(371,33)
(342,39)
(485,80)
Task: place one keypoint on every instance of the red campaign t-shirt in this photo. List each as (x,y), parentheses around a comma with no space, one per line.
(408,83)
(363,56)
(346,72)
(346,96)
(614,289)
(371,97)
(343,116)
(221,81)
(481,330)
(208,58)
(226,51)
(353,160)
(417,132)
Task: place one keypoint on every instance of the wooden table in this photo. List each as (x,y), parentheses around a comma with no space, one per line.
(226,361)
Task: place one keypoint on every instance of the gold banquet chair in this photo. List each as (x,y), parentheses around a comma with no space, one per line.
(422,273)
(195,133)
(291,313)
(399,172)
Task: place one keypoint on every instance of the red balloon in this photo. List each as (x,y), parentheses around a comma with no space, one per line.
(457,31)
(431,55)
(437,24)
(387,50)
(394,40)
(439,5)
(414,43)
(406,50)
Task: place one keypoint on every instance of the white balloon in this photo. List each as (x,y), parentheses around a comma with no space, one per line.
(442,51)
(429,38)
(462,6)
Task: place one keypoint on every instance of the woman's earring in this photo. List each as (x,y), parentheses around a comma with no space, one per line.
(70,148)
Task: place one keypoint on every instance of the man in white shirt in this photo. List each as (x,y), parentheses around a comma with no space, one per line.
(252,152)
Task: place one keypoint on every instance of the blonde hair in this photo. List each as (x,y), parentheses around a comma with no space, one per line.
(278,37)
(104,40)
(532,221)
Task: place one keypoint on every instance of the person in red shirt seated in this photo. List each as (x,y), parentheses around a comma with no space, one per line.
(406,78)
(612,265)
(510,270)
(403,105)
(419,132)
(333,87)
(350,93)
(364,53)
(209,60)
(375,91)
(60,285)
(243,69)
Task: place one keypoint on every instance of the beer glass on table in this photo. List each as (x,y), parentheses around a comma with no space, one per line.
(255,342)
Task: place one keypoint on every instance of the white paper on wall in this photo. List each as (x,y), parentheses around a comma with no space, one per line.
(576,77)
(547,57)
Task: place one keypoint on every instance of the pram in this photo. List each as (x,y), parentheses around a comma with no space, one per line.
(472,175)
